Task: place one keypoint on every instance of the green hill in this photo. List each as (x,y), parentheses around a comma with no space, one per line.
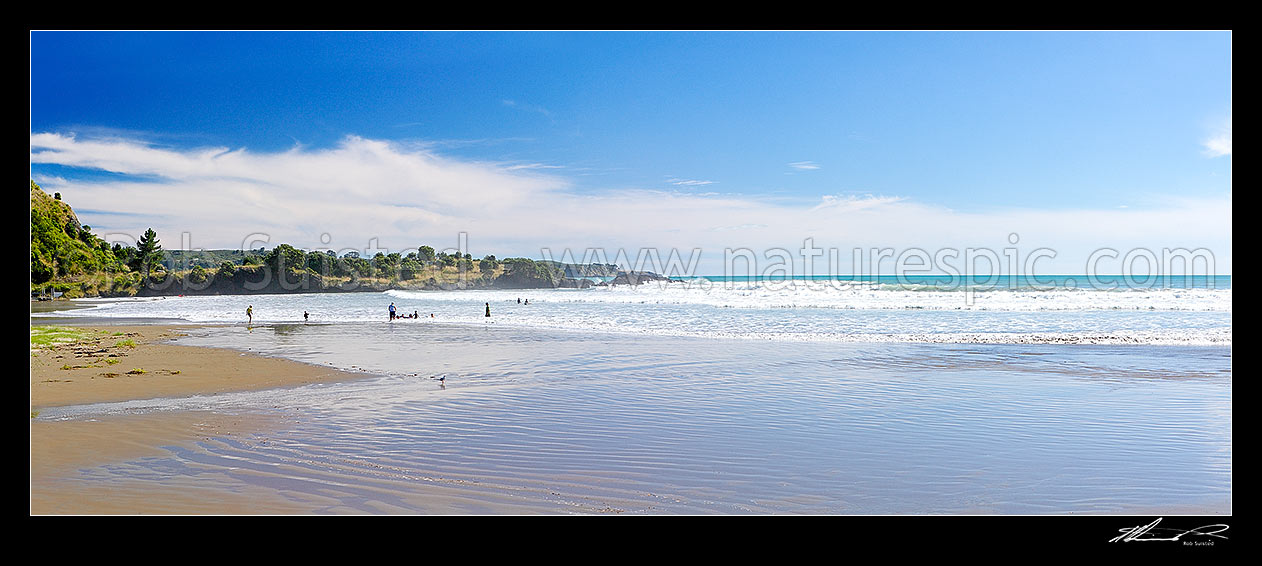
(67,257)
(63,249)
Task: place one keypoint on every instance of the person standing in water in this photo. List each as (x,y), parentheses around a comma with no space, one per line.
(249,313)
(391,311)
(306,316)
(488,310)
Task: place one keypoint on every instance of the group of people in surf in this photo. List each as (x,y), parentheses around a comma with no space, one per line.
(395,314)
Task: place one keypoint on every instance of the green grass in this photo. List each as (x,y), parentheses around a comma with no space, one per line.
(129,343)
(47,336)
(136,371)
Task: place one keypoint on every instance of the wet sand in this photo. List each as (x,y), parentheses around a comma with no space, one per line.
(80,373)
(105,366)
(687,426)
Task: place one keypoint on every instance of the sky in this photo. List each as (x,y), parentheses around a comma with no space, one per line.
(707,144)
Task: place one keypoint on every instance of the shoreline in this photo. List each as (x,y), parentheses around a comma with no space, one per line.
(106,464)
(85,372)
(78,373)
(727,317)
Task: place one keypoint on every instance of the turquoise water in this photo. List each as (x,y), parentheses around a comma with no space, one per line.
(997,282)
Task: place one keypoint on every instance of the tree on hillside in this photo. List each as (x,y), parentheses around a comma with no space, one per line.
(148,252)
(198,275)
(409,267)
(487,264)
(227,270)
(286,257)
(425,254)
(322,263)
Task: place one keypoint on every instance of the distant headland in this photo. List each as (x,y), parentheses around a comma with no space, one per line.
(69,261)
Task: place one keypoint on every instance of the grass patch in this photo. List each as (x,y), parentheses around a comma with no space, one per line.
(128,343)
(48,336)
(136,371)
(111,361)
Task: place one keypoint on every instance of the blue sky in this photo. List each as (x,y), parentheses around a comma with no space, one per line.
(924,138)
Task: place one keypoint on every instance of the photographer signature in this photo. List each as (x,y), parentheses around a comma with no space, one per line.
(1150,532)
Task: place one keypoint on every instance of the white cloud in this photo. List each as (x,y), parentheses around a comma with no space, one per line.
(403,197)
(531,166)
(804,165)
(1219,144)
(853,203)
(361,189)
(688,182)
(740,227)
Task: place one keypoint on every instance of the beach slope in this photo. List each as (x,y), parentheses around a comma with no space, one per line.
(83,365)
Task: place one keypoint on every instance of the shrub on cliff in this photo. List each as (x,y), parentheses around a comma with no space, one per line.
(61,246)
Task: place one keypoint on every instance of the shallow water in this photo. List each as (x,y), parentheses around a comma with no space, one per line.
(533,420)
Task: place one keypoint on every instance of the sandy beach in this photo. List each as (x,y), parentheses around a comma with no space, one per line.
(865,274)
(119,363)
(531,420)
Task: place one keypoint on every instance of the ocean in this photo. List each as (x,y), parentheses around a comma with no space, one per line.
(724,396)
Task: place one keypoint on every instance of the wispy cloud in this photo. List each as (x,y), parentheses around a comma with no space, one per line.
(853,203)
(688,182)
(522,166)
(1219,144)
(804,165)
(434,144)
(527,107)
(405,196)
